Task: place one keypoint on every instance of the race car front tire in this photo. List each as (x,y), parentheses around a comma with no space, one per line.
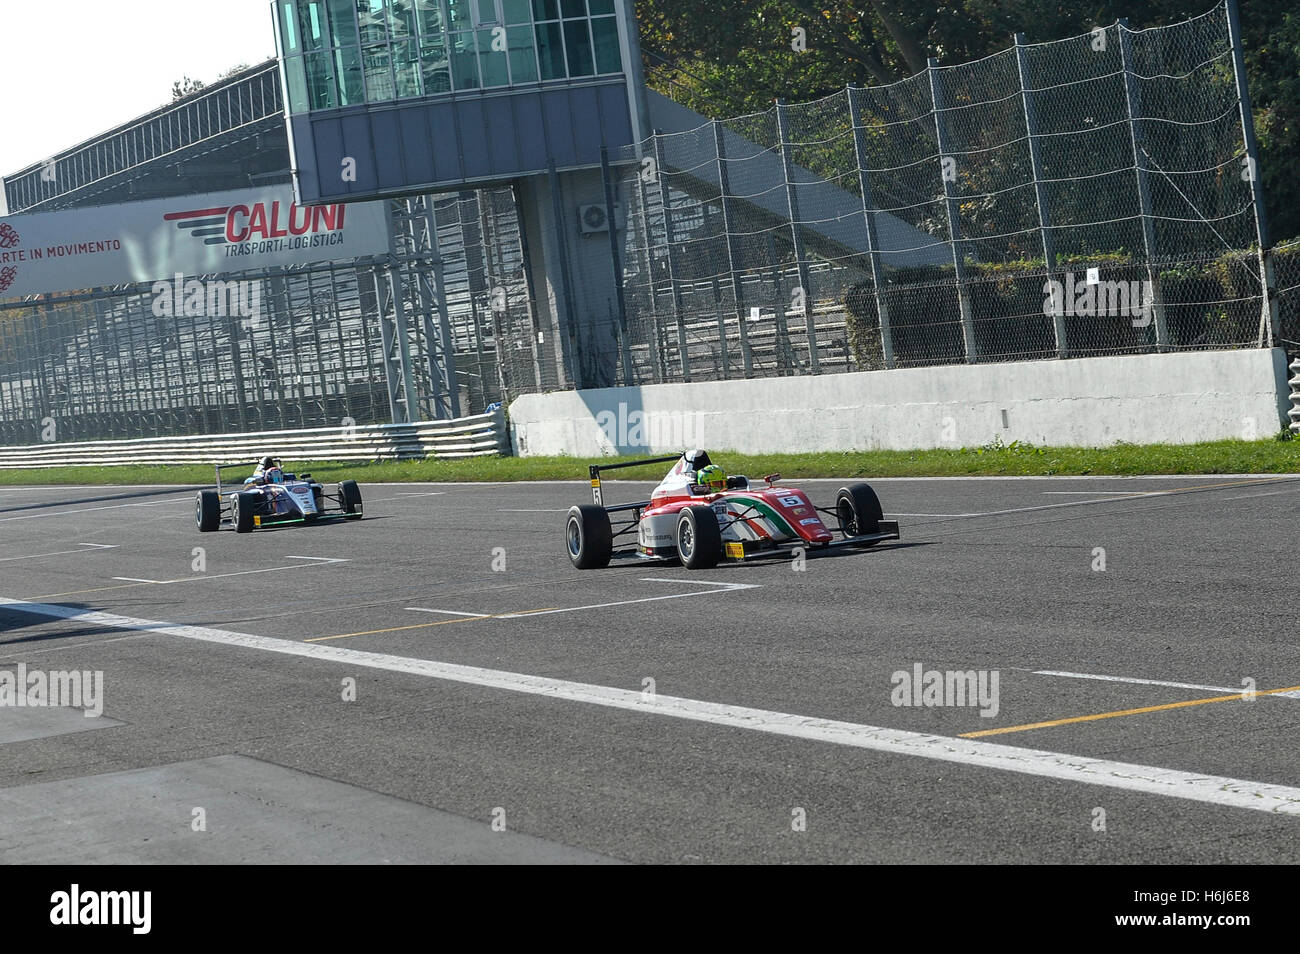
(245,504)
(350,498)
(207,510)
(699,539)
(858,510)
(589,537)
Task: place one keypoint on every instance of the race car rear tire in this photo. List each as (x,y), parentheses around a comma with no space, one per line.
(699,539)
(858,510)
(245,504)
(589,537)
(350,498)
(207,510)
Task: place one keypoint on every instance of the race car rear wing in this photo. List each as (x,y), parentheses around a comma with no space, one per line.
(228,466)
(595,469)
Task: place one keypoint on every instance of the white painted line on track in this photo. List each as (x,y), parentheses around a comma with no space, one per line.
(719,583)
(64,513)
(1135,681)
(895,514)
(723,588)
(425,609)
(34,556)
(1228,690)
(1151,780)
(319,561)
(1135,495)
(1093,493)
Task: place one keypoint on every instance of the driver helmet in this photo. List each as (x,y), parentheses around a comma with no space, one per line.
(713,477)
(275,475)
(267,462)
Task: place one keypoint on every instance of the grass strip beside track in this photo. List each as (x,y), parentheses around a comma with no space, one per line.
(1016,459)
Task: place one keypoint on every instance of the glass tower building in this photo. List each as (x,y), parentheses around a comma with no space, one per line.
(348,57)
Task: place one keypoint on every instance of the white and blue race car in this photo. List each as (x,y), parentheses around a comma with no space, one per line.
(272,497)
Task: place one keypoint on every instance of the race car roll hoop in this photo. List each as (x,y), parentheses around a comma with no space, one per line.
(701,527)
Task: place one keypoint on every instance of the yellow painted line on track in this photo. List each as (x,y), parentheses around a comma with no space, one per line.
(1236,696)
(438,622)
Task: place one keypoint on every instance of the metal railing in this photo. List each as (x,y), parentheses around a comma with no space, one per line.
(479,435)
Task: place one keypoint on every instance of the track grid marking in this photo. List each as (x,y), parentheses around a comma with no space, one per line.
(1208,789)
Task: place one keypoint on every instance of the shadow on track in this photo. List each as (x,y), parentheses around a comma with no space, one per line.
(62,502)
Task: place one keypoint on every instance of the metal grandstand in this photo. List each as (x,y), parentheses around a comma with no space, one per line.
(413,335)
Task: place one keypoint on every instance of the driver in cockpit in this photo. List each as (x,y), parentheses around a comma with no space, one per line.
(268,472)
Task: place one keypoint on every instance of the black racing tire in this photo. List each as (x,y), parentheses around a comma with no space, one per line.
(245,504)
(588,537)
(350,498)
(207,510)
(858,509)
(699,538)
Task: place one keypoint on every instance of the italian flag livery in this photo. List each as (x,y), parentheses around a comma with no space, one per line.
(700,527)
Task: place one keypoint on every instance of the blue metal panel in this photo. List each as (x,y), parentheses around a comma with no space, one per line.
(500,116)
(329,150)
(422,146)
(586,134)
(530,131)
(473,138)
(417,145)
(614,115)
(305,158)
(557,114)
(445,143)
(388,138)
(355,130)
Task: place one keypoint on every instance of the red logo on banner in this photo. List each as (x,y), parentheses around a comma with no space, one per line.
(8,239)
(244,223)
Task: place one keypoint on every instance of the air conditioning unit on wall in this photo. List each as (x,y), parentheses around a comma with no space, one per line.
(592,218)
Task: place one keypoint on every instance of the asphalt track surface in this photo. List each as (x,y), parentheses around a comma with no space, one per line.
(503,706)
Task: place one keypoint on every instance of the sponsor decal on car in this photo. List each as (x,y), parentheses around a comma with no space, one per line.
(735,550)
(807,521)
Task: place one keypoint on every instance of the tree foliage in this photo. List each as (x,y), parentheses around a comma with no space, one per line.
(725,58)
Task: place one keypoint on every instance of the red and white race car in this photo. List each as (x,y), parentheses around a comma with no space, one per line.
(685,521)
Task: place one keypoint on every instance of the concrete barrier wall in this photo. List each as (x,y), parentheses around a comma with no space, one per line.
(1158,398)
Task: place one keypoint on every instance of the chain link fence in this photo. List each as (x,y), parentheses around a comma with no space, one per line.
(1286,263)
(1087,196)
